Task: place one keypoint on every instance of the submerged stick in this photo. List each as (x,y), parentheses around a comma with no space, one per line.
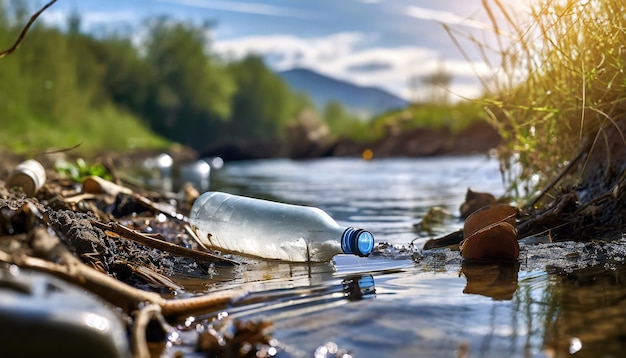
(142,318)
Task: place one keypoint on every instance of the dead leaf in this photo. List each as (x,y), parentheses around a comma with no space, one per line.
(488,215)
(490,234)
(475,200)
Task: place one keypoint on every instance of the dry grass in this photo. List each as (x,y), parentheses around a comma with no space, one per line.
(561,79)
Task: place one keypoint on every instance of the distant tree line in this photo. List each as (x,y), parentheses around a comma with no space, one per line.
(172,82)
(107,90)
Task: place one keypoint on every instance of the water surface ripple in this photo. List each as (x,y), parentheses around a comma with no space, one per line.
(433,305)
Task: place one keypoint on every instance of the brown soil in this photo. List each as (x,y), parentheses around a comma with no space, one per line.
(589,201)
(130,248)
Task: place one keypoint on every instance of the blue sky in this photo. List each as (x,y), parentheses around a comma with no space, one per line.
(369,42)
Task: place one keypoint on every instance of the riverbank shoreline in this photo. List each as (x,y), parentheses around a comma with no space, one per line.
(479,138)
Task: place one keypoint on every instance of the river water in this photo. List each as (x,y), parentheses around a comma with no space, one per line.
(420,304)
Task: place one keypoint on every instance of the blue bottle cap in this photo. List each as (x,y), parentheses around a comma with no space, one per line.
(357,241)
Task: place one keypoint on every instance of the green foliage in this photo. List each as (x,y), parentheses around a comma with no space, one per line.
(343,124)
(189,82)
(64,88)
(338,119)
(79,170)
(455,117)
(51,94)
(61,89)
(105,128)
(126,79)
(436,115)
(263,104)
(564,80)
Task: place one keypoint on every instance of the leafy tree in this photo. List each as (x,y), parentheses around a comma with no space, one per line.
(433,87)
(126,79)
(339,120)
(263,103)
(51,92)
(189,86)
(67,87)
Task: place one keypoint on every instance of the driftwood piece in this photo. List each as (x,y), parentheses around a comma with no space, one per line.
(71,269)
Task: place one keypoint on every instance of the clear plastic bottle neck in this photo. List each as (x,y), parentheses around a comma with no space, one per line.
(357,242)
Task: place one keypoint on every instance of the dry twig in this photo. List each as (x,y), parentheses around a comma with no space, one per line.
(142,318)
(25,30)
(117,230)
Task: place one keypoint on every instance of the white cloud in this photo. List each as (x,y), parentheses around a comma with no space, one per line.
(55,17)
(286,51)
(445,17)
(243,7)
(353,56)
(337,55)
(58,17)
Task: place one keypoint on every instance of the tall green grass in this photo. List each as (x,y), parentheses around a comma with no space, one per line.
(562,78)
(98,129)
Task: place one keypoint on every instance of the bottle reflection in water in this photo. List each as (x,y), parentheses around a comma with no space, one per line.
(355,287)
(274,230)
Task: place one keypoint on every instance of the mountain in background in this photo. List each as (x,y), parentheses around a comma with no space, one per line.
(362,101)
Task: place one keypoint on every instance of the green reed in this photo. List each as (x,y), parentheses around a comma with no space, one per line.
(561,81)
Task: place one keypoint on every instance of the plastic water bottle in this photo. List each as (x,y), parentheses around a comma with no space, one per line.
(274,230)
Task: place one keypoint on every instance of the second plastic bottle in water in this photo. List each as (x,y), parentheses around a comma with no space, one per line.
(274,230)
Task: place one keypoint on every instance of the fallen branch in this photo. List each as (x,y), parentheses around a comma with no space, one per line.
(72,270)
(118,293)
